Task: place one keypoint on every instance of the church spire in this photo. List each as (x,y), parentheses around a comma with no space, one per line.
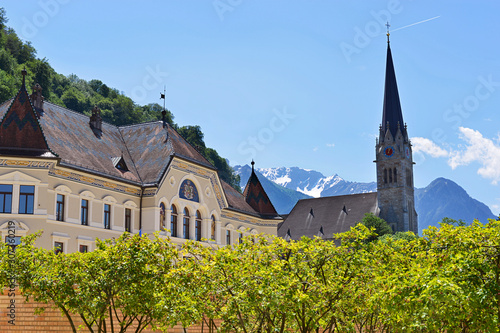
(392,114)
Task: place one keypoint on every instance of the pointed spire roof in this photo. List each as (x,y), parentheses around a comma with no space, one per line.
(256,196)
(392,116)
(20,130)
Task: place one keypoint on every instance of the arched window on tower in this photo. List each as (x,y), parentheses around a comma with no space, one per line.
(408,177)
(185,224)
(197,226)
(395,175)
(385,176)
(390,175)
(173,221)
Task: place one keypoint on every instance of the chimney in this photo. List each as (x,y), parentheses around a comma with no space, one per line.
(37,98)
(96,120)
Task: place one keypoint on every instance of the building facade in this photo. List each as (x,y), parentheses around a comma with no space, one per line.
(77,179)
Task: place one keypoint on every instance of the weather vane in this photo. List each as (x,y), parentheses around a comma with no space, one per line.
(388,34)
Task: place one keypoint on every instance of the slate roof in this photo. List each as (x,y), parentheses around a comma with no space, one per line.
(332,215)
(392,107)
(138,154)
(145,148)
(256,196)
(20,132)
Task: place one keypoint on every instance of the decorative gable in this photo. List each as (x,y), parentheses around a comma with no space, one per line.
(20,131)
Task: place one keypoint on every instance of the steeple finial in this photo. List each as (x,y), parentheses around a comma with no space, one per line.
(388,34)
(253,163)
(24,73)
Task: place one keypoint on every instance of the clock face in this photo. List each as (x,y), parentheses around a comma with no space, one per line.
(407,152)
(389,151)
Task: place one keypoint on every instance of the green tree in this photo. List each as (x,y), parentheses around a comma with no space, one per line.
(379,225)
(117,286)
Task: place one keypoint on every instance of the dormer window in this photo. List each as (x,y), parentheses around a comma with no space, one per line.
(119,163)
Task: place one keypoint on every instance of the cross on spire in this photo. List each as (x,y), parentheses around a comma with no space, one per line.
(388,34)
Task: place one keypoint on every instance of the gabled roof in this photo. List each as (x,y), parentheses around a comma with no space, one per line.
(256,196)
(146,149)
(20,131)
(392,113)
(326,216)
(139,154)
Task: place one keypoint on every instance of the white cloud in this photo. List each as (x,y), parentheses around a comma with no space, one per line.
(427,146)
(315,149)
(481,150)
(331,145)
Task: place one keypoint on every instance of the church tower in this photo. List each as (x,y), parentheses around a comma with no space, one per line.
(394,160)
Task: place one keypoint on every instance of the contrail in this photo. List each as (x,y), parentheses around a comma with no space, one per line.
(406,26)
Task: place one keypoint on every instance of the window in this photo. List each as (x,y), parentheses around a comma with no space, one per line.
(390,175)
(58,247)
(128,219)
(173,221)
(83,248)
(26,199)
(60,208)
(85,212)
(240,237)
(185,225)
(228,237)
(162,216)
(197,226)
(107,216)
(5,198)
(395,175)
(212,228)
(385,176)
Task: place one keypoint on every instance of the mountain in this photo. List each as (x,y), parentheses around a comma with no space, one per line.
(314,183)
(445,198)
(283,199)
(441,198)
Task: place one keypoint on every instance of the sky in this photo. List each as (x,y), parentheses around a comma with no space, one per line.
(296,82)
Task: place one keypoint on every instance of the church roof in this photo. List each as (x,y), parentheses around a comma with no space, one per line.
(392,113)
(256,196)
(326,216)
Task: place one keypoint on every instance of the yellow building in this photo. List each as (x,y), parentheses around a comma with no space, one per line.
(78,178)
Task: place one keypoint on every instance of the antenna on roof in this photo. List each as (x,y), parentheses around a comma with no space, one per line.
(164,112)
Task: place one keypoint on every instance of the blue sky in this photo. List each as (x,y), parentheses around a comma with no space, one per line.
(297,82)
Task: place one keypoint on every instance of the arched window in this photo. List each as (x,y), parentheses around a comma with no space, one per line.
(197,226)
(162,216)
(385,176)
(395,175)
(390,175)
(212,228)
(173,221)
(185,224)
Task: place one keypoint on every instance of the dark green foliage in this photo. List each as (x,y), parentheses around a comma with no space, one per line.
(380,225)
(81,96)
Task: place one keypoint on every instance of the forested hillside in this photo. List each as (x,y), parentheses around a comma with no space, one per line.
(81,95)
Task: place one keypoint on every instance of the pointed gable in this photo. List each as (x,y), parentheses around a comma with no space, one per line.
(256,197)
(392,113)
(20,131)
